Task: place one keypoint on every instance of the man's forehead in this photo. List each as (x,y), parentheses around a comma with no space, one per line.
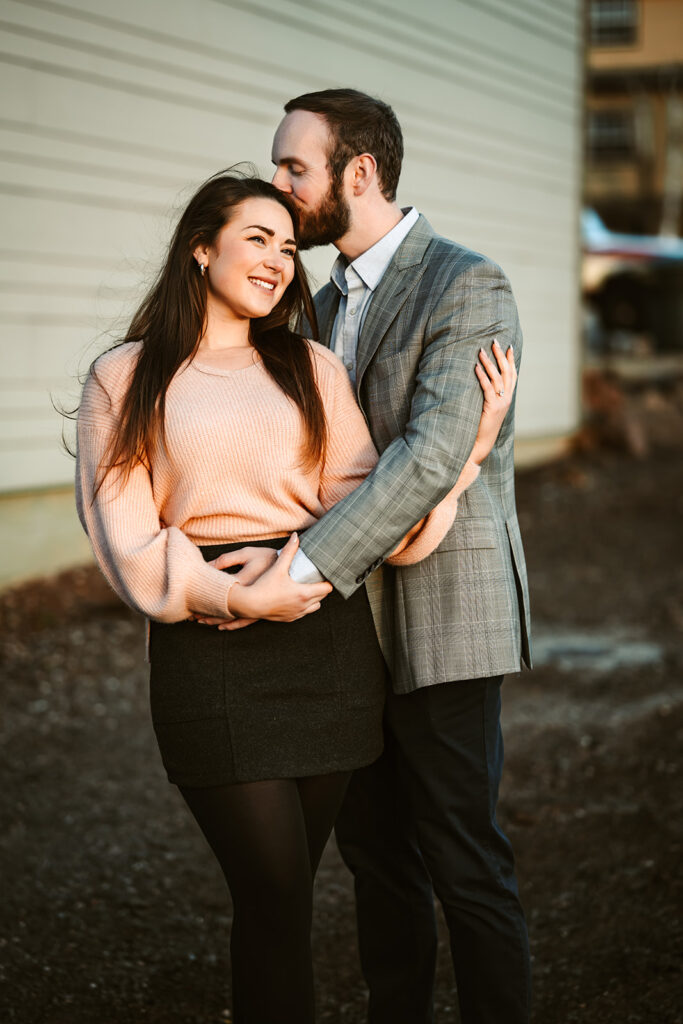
(301,134)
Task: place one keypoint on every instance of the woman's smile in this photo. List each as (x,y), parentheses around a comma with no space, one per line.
(263,282)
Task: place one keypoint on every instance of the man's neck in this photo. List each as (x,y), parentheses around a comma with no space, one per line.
(367,227)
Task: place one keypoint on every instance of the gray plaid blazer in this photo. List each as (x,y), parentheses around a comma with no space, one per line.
(463,612)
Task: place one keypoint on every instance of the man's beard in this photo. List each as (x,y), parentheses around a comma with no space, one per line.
(328,222)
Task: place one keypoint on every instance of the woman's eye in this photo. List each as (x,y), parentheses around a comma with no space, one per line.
(289,252)
(257,238)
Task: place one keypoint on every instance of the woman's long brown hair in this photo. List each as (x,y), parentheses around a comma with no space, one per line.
(171,320)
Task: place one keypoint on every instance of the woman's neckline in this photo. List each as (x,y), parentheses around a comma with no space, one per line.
(219,371)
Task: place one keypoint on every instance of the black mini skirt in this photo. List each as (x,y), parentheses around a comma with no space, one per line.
(271,701)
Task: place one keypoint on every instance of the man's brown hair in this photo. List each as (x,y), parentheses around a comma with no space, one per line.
(358,124)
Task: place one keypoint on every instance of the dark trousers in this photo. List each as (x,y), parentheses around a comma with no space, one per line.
(422,820)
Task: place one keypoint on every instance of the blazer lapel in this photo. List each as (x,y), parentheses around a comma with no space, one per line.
(326,306)
(392,291)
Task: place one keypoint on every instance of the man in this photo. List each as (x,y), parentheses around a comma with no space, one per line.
(408,312)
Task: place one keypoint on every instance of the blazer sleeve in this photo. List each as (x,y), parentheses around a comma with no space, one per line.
(426,536)
(156,570)
(419,468)
(351,456)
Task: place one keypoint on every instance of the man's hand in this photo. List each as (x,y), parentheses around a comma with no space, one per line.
(498,384)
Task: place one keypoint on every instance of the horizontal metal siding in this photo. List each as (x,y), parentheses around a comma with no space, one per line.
(109,120)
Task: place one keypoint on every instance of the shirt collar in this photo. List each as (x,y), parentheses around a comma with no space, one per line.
(372,264)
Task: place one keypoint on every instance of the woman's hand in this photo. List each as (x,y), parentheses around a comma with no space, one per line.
(270,594)
(276,596)
(498,384)
(254,562)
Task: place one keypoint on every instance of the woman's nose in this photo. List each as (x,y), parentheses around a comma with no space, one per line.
(274,260)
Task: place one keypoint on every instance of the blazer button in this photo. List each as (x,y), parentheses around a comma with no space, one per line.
(359,579)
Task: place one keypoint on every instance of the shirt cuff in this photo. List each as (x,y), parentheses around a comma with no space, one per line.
(302,569)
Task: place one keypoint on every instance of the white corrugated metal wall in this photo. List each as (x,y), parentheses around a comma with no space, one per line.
(111,115)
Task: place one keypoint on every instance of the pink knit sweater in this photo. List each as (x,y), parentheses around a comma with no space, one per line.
(231,471)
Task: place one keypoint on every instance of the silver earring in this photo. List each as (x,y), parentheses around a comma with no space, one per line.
(202,269)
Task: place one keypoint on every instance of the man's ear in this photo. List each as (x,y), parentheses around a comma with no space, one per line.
(363,170)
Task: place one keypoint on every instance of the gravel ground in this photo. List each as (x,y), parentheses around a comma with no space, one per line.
(113,911)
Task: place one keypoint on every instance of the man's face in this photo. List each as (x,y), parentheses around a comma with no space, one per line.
(300,149)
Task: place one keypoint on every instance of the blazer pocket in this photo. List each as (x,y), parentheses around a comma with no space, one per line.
(470,533)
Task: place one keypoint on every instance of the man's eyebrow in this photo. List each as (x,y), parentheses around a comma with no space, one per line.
(268,231)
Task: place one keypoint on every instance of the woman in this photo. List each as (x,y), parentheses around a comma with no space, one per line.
(213,425)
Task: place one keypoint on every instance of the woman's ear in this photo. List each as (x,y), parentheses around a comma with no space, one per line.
(201,254)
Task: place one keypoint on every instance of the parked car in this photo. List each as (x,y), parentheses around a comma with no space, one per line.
(632,287)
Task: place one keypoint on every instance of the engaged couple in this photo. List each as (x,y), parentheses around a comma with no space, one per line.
(312,501)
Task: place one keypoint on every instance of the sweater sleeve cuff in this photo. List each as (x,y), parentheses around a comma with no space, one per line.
(208,592)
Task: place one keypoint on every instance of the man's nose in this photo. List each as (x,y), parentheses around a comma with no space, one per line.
(281,180)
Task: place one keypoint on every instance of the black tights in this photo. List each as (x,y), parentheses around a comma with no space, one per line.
(268,838)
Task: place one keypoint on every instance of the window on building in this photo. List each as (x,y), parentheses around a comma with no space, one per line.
(611,135)
(613,22)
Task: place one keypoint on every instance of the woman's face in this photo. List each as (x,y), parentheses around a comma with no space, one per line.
(252,261)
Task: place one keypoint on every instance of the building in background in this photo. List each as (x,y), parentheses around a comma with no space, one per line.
(633,277)
(112,115)
(634,173)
